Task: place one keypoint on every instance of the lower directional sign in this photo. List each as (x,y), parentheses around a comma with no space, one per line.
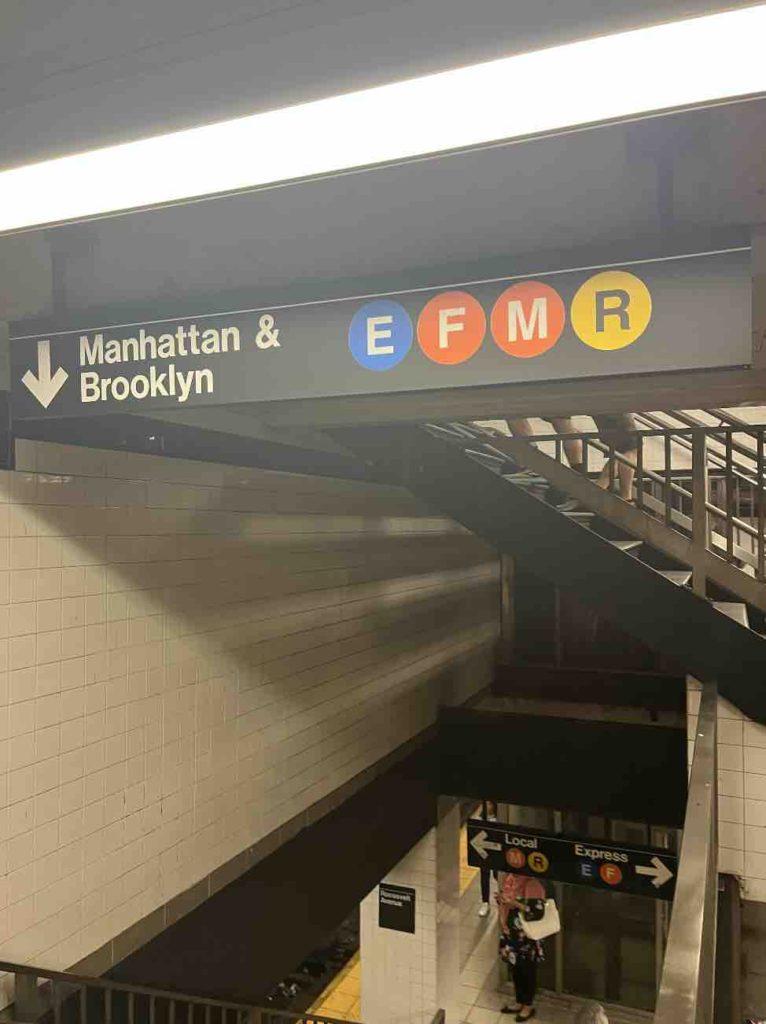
(642,870)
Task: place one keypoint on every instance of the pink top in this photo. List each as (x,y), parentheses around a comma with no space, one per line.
(520,887)
(516,887)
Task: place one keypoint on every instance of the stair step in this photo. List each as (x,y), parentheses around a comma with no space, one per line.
(734,609)
(525,479)
(680,577)
(492,462)
(626,545)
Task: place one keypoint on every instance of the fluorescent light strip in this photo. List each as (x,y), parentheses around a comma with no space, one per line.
(685,63)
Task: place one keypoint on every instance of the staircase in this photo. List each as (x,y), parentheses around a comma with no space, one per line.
(673,569)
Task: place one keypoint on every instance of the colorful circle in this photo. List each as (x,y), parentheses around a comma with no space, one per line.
(611,310)
(451,328)
(515,858)
(528,319)
(380,335)
(610,874)
(538,862)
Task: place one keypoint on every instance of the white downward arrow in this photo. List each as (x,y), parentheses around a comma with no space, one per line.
(480,844)
(44,386)
(659,873)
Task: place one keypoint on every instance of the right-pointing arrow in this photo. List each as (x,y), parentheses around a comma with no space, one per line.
(660,873)
(481,845)
(44,386)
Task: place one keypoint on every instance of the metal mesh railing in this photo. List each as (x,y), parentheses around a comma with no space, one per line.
(40,996)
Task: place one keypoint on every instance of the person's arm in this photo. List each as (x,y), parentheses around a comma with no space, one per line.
(505,905)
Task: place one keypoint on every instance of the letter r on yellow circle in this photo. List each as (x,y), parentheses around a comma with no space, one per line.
(611,310)
(538,862)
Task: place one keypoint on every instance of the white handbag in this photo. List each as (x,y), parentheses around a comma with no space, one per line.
(548,924)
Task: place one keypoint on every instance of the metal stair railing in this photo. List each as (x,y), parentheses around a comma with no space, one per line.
(60,997)
(687,986)
(743,468)
(713,529)
(744,441)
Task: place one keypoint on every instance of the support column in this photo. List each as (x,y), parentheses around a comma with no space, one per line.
(700,518)
(407,977)
(507,610)
(758,265)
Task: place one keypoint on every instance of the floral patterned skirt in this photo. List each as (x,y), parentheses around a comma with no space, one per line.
(517,945)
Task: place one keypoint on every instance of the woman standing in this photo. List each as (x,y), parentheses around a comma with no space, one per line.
(522,954)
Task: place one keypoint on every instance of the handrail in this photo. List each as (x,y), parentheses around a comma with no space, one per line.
(742,426)
(693,422)
(687,986)
(716,458)
(650,474)
(721,530)
(31,1002)
(106,984)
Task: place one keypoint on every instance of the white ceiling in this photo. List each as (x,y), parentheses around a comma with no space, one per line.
(83,72)
(80,73)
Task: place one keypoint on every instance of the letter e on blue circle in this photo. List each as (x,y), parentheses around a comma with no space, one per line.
(380,335)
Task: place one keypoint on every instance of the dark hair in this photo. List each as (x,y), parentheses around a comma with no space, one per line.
(591,1013)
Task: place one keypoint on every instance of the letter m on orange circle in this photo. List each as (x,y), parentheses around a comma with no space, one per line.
(528,319)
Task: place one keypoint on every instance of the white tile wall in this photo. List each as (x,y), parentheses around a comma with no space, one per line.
(407,978)
(191,655)
(741,793)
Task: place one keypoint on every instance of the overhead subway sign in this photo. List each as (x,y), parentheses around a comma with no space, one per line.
(676,314)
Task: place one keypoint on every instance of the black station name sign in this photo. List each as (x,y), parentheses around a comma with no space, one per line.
(396,907)
(641,870)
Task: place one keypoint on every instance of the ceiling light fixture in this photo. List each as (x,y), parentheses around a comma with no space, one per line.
(682,64)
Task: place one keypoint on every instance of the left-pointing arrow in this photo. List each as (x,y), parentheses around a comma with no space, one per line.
(44,386)
(481,844)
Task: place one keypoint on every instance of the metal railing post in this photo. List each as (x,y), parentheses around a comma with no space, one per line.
(56,999)
(688,976)
(668,481)
(761,511)
(28,1003)
(729,499)
(700,518)
(507,610)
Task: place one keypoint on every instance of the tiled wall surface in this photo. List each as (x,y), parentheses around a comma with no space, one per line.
(741,793)
(754,959)
(407,978)
(191,655)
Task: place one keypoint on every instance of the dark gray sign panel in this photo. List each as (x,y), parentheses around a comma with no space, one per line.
(642,870)
(396,907)
(682,313)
